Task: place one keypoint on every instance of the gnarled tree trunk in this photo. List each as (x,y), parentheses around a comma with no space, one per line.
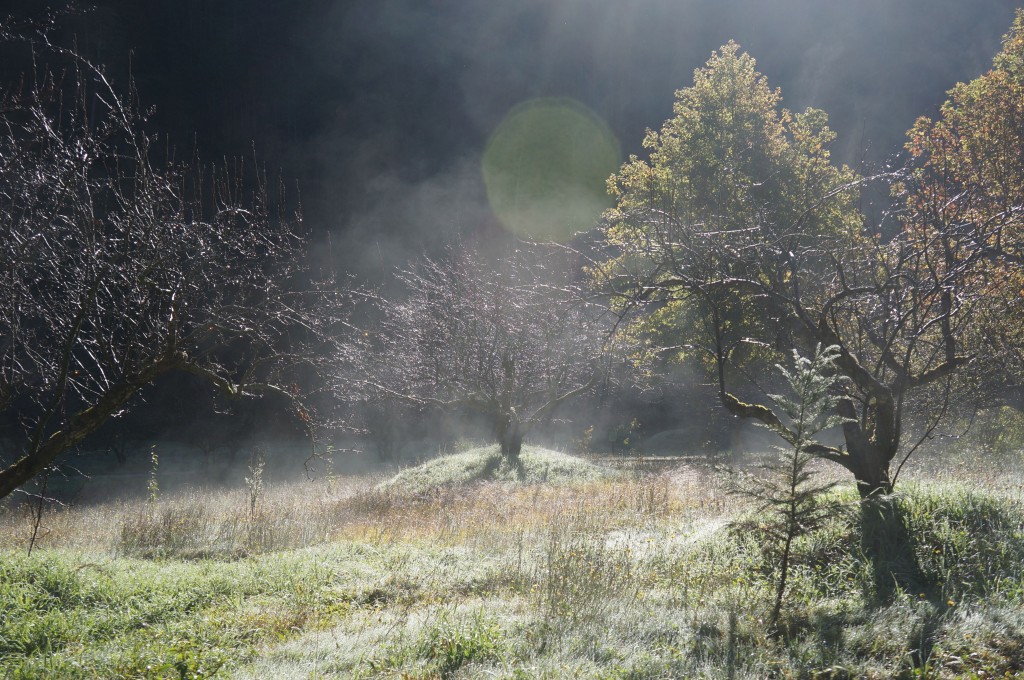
(870,468)
(870,449)
(510,433)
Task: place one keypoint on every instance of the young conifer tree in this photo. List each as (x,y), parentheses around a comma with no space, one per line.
(786,494)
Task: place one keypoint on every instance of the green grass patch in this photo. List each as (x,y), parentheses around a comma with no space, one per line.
(67,615)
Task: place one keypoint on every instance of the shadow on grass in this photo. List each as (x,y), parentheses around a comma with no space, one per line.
(497,463)
(490,468)
(892,550)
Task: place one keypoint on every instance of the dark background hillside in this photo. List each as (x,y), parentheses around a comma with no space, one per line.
(379,110)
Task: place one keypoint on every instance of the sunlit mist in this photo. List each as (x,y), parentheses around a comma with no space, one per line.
(545,168)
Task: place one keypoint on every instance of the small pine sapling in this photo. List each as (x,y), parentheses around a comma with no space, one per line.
(788,501)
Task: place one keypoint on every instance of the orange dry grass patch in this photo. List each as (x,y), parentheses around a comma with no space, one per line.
(497,515)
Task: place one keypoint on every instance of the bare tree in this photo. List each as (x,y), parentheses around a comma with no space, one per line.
(508,339)
(119,265)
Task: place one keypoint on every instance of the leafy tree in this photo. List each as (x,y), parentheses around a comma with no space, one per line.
(509,340)
(119,268)
(965,200)
(740,224)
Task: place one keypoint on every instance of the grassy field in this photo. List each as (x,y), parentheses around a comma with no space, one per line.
(464,569)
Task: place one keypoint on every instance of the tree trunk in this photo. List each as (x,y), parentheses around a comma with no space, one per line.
(780,590)
(868,462)
(871,448)
(871,471)
(511,447)
(510,437)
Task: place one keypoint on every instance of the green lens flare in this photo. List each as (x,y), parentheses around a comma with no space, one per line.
(545,168)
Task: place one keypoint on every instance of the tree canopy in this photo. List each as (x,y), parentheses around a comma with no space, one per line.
(965,199)
(740,223)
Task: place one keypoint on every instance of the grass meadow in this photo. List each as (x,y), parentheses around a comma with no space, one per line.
(461,568)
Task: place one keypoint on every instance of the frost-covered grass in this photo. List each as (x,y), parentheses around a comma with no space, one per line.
(597,577)
(485,464)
